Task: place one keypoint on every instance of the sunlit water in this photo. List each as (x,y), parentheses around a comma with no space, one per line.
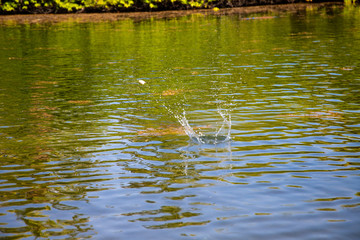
(271,106)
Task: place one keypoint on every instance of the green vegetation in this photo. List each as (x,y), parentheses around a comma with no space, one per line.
(68,6)
(65,6)
(350,2)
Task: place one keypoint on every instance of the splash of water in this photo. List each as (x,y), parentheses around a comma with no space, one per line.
(202,138)
(226,116)
(222,134)
(188,129)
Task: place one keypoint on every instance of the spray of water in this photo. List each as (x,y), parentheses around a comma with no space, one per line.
(222,134)
(226,116)
(188,129)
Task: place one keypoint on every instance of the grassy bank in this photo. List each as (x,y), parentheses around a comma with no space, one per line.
(68,6)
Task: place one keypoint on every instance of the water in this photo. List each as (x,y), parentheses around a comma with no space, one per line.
(271,106)
(209,138)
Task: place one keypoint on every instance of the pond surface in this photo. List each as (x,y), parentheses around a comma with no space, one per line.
(92,143)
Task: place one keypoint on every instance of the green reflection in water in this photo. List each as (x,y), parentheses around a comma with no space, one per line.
(86,149)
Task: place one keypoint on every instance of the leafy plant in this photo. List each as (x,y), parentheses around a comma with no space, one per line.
(56,6)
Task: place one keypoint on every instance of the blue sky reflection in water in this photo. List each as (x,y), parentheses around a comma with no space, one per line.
(89,152)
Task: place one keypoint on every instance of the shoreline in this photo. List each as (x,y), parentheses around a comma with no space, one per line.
(138,16)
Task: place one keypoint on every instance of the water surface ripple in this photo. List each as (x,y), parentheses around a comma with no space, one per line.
(90,145)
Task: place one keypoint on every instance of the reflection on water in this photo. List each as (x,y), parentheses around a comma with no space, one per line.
(87,150)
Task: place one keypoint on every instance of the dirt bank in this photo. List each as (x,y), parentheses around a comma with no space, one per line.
(99,17)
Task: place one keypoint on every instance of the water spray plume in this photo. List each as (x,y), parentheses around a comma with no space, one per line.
(221,134)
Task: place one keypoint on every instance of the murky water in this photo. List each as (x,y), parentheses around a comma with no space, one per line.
(91,147)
